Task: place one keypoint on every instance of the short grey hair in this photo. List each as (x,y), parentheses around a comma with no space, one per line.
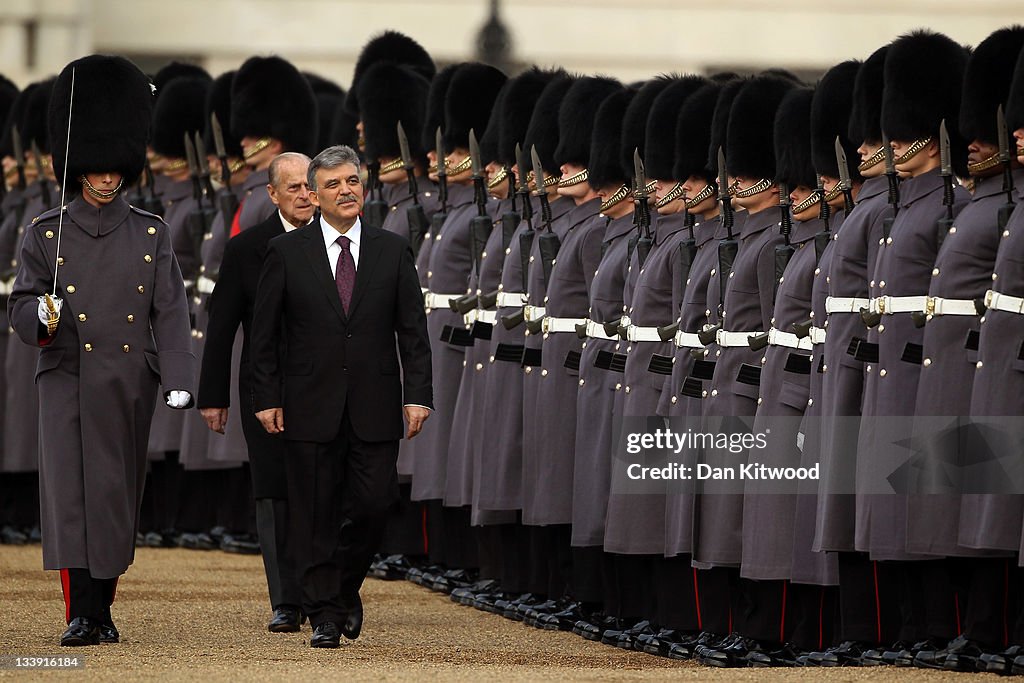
(285,157)
(332,157)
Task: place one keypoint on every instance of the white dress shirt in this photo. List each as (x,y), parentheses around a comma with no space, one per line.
(331,235)
(288,227)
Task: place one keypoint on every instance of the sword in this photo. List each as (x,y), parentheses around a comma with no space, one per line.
(53,313)
(642,210)
(845,182)
(1004,158)
(415,215)
(548,243)
(37,158)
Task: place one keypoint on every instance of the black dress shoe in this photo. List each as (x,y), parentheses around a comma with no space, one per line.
(81,631)
(594,627)
(961,654)
(452,579)
(687,647)
(610,636)
(286,620)
(1000,662)
(487,602)
(564,619)
(200,541)
(325,635)
(734,655)
(903,655)
(153,539)
(35,535)
(109,634)
(467,595)
(11,536)
(391,568)
(659,643)
(353,623)
(530,613)
(242,544)
(1017,668)
(782,655)
(847,653)
(628,639)
(510,609)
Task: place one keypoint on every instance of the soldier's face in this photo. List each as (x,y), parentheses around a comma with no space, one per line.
(291,193)
(799,194)
(866,151)
(1018,136)
(759,201)
(104,182)
(979,151)
(393,177)
(922,162)
(662,188)
(432,168)
(692,187)
(457,156)
(499,191)
(829,183)
(339,194)
(360,137)
(579,192)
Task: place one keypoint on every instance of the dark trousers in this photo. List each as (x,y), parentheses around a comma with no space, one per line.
(784,612)
(868,603)
(272,525)
(161,495)
(993,600)
(405,533)
(929,602)
(19,500)
(551,560)
(339,494)
(85,596)
(200,492)
(717,599)
(632,595)
(675,594)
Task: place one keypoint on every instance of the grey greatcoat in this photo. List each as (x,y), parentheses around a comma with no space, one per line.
(768,518)
(596,395)
(993,521)
(963,270)
(547,474)
(699,308)
(636,523)
(854,250)
(501,461)
(730,405)
(21,441)
(903,268)
(808,565)
(168,424)
(447,273)
(555,417)
(467,416)
(124,329)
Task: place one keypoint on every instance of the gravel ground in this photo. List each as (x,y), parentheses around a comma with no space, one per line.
(187,615)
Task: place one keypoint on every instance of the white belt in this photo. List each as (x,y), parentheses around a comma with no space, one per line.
(817,335)
(205,285)
(432,300)
(635,333)
(511,299)
(531,313)
(553,325)
(1004,302)
(471,317)
(936,305)
(596,331)
(687,340)
(723,338)
(6,287)
(890,305)
(788,339)
(489,317)
(845,304)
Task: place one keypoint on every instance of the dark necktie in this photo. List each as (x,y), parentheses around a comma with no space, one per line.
(345,273)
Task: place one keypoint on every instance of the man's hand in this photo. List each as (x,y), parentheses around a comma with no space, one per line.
(272,420)
(48,311)
(415,416)
(216,418)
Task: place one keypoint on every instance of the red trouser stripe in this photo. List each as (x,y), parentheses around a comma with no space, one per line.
(426,539)
(65,587)
(696,600)
(236,225)
(956,603)
(782,621)
(878,605)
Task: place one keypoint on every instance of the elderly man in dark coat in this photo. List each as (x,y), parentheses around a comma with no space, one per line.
(116,326)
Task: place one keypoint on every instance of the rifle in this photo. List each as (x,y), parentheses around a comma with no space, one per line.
(872,319)
(1004,158)
(19,157)
(415,215)
(227,201)
(376,209)
(824,213)
(43,184)
(642,210)
(152,203)
(438,219)
(548,242)
(946,171)
(197,219)
(208,208)
(479,226)
(728,247)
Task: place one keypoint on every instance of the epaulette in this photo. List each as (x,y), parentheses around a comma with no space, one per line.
(143,212)
(52,213)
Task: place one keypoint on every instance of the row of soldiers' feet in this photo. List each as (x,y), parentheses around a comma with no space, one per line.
(217,538)
(723,651)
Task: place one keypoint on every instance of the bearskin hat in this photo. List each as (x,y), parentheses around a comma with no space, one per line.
(389,93)
(542,132)
(605,163)
(830,118)
(269,97)
(720,121)
(176,70)
(750,146)
(469,102)
(8,96)
(662,124)
(634,125)
(987,83)
(523,92)
(792,134)
(576,117)
(111,118)
(329,97)
(182,112)
(488,142)
(868,87)
(218,101)
(390,46)
(13,119)
(435,105)
(33,126)
(693,134)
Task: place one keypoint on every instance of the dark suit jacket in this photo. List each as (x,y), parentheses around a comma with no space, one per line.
(334,362)
(232,304)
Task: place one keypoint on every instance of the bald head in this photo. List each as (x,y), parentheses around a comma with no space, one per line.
(288,187)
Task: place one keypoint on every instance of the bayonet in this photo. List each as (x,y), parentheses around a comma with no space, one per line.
(1005,159)
(824,210)
(522,163)
(442,171)
(723,193)
(152,202)
(945,158)
(481,224)
(416,217)
(845,182)
(204,168)
(44,185)
(894,185)
(946,171)
(19,156)
(221,150)
(541,191)
(193,168)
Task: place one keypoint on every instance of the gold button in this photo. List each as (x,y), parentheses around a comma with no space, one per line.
(869,368)
(994,276)
(126,348)
(888,240)
(810,401)
(824,368)
(88,347)
(200,334)
(817,271)
(60,260)
(141,289)
(49,234)
(952,231)
(147,258)
(881,284)
(881,329)
(81,317)
(151,230)
(71,289)
(882,373)
(131,318)
(195,334)
(627,390)
(926,362)
(1006,233)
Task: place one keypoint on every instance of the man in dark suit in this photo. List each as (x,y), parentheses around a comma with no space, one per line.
(231,305)
(333,299)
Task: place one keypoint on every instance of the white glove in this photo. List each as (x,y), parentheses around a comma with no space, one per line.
(178,399)
(43,311)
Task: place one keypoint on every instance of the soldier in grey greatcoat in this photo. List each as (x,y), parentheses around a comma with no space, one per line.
(731,399)
(120,330)
(962,275)
(923,78)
